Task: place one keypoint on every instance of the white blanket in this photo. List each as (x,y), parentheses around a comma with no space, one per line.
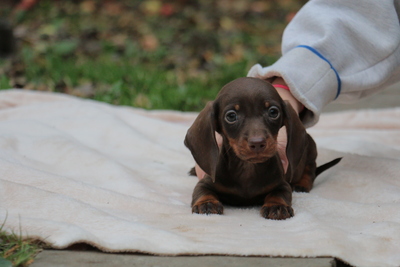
(74,170)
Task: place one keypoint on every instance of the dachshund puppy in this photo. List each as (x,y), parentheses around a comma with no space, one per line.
(247,170)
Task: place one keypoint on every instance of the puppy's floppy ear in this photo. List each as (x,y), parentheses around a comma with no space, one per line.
(200,139)
(296,137)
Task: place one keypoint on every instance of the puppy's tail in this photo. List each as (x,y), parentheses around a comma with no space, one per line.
(326,166)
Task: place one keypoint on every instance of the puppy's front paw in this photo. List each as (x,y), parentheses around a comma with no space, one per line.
(277,212)
(210,206)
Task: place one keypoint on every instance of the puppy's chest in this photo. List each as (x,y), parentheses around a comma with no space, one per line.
(245,183)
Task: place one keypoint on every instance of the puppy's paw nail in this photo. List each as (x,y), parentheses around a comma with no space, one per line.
(277,212)
(214,207)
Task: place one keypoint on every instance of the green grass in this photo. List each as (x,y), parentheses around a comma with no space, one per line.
(128,52)
(133,78)
(16,251)
(124,82)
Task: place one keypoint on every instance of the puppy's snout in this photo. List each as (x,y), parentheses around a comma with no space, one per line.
(257,144)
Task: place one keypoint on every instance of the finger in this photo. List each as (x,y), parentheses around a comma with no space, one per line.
(218,138)
(199,172)
(285,163)
(282,142)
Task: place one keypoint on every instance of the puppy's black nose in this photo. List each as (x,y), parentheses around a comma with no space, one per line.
(257,143)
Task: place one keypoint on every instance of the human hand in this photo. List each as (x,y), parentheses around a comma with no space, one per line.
(282,134)
(281,147)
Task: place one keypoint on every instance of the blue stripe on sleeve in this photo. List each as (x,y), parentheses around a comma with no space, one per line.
(322,57)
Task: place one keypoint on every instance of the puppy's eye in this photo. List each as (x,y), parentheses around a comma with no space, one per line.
(231,117)
(273,112)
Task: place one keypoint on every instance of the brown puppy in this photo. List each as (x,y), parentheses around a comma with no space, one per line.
(247,170)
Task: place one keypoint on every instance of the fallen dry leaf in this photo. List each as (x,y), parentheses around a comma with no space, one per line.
(149,42)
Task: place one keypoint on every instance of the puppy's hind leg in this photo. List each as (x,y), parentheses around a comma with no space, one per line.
(307,177)
(306,181)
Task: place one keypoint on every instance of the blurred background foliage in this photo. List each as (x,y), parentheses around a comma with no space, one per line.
(154,54)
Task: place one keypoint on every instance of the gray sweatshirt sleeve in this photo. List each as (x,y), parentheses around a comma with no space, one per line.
(338,49)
